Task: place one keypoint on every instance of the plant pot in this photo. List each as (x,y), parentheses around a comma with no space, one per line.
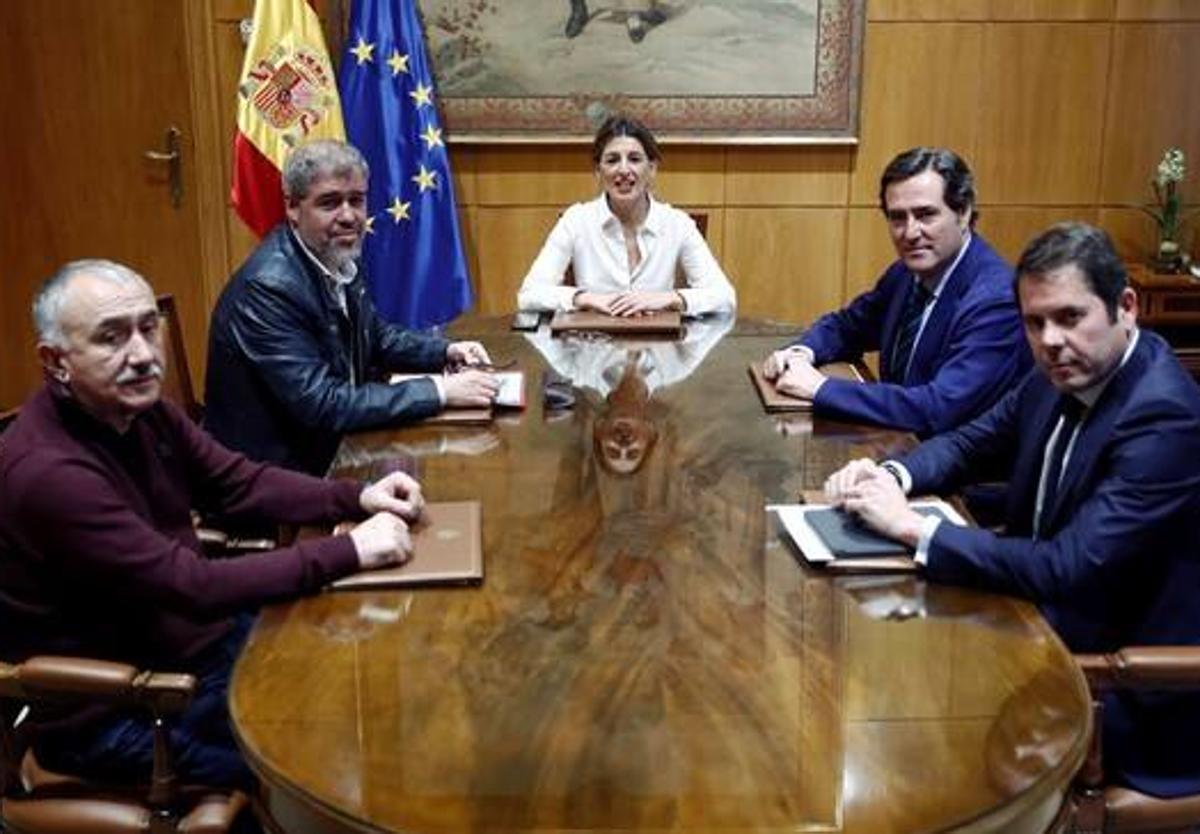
(1168,258)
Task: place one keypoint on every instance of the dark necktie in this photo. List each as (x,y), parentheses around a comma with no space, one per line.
(1071,410)
(906,333)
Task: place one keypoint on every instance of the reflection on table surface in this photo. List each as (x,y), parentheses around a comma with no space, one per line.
(644,653)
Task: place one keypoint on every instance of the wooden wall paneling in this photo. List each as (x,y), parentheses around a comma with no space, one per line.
(715,235)
(1158,9)
(691,174)
(922,85)
(462,168)
(1153,104)
(18,362)
(927,10)
(1040,139)
(241,240)
(468,224)
(869,250)
(508,239)
(1135,236)
(1012,10)
(232,9)
(1010,228)
(229,50)
(787,264)
(801,176)
(543,175)
(210,154)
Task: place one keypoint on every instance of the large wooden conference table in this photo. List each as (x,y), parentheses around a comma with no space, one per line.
(645,653)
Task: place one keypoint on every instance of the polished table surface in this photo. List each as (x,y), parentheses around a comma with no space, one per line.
(645,653)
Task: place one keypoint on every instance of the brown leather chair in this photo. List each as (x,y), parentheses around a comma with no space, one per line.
(177,387)
(8,416)
(34,800)
(1108,808)
(177,382)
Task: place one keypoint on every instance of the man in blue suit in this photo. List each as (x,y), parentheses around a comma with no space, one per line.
(1100,446)
(942,316)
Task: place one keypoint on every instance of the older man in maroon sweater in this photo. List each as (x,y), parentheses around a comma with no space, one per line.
(98,557)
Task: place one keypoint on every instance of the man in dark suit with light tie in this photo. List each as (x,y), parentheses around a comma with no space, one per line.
(942,316)
(1100,445)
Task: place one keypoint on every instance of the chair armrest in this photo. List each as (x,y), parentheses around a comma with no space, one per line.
(75,678)
(1143,667)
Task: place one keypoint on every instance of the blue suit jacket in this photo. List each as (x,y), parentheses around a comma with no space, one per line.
(972,349)
(1120,564)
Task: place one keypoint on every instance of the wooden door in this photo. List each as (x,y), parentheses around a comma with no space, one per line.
(87,87)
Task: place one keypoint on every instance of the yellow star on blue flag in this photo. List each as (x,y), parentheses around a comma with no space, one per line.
(398,210)
(363,51)
(414,264)
(423,95)
(425,179)
(398,62)
(432,137)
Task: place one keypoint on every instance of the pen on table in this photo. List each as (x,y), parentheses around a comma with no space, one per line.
(487,366)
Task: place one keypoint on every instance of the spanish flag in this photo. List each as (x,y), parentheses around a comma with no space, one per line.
(287,94)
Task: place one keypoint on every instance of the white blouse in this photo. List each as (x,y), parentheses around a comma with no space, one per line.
(588,237)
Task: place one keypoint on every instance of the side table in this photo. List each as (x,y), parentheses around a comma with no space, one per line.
(1170,305)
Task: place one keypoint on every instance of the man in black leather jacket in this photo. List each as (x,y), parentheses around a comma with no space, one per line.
(295,346)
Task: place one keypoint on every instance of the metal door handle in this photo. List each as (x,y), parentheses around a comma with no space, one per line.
(174,159)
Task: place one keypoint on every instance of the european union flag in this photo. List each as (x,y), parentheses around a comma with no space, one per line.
(413,250)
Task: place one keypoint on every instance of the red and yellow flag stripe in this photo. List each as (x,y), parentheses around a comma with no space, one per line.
(287,94)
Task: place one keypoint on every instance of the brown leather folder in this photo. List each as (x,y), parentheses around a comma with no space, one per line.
(667,323)
(774,401)
(447,550)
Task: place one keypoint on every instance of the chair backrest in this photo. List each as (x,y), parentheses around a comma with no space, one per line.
(177,383)
(701,220)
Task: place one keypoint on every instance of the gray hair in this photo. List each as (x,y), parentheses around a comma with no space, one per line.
(322,158)
(48,304)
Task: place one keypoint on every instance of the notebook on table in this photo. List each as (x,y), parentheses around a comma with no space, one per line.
(832,539)
(775,401)
(665,323)
(447,550)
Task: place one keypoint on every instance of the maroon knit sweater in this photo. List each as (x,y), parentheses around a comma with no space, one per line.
(98,556)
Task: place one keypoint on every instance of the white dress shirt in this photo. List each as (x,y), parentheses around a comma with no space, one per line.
(589,238)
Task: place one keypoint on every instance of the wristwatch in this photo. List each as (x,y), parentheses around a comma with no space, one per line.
(893,470)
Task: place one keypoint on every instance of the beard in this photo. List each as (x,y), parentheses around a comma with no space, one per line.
(337,258)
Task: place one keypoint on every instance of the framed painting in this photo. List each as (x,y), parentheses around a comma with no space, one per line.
(750,71)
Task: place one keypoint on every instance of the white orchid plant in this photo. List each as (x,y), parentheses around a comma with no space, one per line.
(1168,208)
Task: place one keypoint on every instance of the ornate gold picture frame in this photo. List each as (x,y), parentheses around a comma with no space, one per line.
(742,71)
